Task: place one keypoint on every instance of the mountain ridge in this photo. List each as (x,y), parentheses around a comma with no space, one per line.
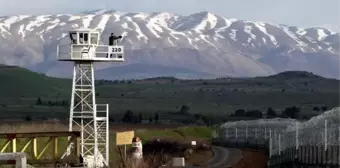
(202,42)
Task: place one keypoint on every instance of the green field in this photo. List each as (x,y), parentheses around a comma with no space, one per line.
(178,133)
(20,89)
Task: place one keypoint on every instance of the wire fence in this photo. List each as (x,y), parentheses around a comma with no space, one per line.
(315,142)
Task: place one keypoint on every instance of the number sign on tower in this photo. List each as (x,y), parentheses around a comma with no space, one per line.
(86,116)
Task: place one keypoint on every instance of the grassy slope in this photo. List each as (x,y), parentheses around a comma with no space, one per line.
(178,133)
(22,87)
(19,82)
(19,89)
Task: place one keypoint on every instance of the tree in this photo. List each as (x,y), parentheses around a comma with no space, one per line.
(140,117)
(271,113)
(316,108)
(197,116)
(240,112)
(156,118)
(64,103)
(57,103)
(28,118)
(38,102)
(50,103)
(206,120)
(150,120)
(135,119)
(324,108)
(254,113)
(128,117)
(292,112)
(111,119)
(184,109)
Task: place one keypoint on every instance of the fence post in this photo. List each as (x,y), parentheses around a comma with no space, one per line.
(236,133)
(256,133)
(297,135)
(280,157)
(246,133)
(297,143)
(325,135)
(325,144)
(276,148)
(270,139)
(270,146)
(337,156)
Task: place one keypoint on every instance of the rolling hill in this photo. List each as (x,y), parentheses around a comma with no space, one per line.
(20,82)
(222,96)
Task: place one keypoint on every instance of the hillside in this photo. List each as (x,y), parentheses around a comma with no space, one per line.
(20,88)
(20,82)
(164,94)
(142,71)
(199,44)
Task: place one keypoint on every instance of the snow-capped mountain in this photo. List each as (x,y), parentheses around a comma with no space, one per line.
(201,44)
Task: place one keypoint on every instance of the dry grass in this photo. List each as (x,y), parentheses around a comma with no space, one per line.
(154,161)
(56,126)
(157,153)
(24,127)
(122,127)
(199,157)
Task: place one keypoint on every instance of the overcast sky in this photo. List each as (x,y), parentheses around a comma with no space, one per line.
(293,12)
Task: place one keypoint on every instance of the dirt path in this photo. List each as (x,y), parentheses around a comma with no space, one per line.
(253,159)
(221,158)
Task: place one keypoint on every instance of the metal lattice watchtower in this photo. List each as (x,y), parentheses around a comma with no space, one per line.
(86,116)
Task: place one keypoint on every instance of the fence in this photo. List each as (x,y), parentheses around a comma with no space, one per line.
(315,142)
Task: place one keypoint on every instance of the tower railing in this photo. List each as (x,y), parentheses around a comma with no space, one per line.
(90,53)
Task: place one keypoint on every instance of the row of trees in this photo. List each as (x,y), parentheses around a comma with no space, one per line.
(322,108)
(290,112)
(131,117)
(108,82)
(40,102)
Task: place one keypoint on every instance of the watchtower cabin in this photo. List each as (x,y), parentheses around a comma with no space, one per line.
(84,45)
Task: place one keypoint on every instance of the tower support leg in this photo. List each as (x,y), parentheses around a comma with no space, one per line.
(83,113)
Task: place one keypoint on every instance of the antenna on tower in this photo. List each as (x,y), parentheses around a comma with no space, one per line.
(86,116)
